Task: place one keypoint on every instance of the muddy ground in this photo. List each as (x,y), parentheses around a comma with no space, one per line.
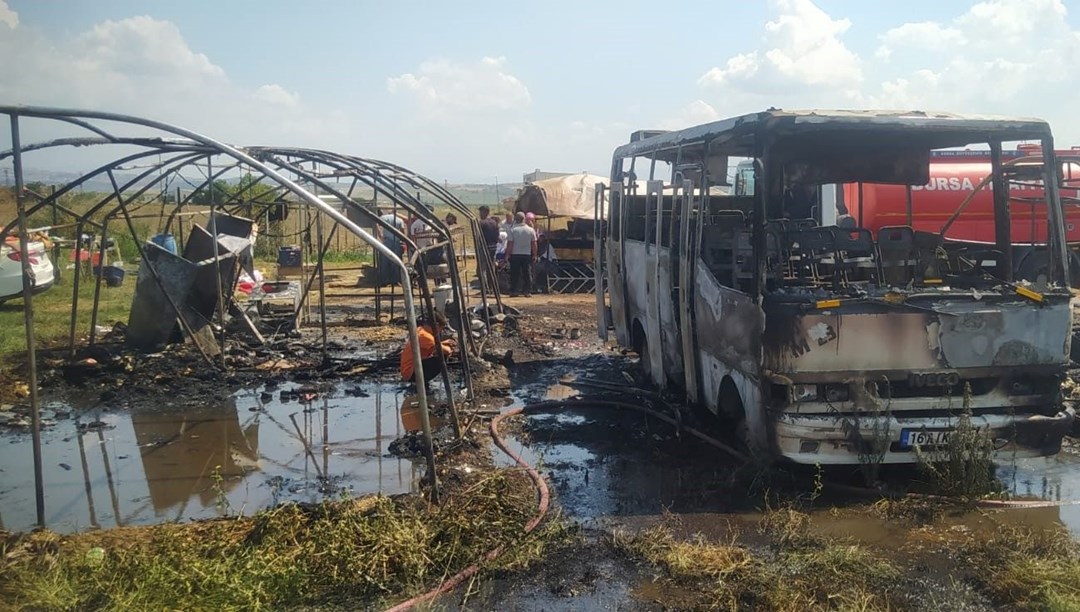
(145,439)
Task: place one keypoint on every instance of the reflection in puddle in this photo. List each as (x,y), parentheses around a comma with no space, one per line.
(152,465)
(1054,478)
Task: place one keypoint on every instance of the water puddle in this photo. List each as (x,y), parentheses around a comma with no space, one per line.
(1055,478)
(263,446)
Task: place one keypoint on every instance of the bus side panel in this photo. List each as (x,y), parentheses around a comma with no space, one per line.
(617,282)
(669,327)
(635,307)
(729,326)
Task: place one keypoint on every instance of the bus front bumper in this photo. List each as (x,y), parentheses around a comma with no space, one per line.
(838,439)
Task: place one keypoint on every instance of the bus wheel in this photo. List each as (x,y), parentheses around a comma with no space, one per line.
(732,408)
(641,346)
(646,361)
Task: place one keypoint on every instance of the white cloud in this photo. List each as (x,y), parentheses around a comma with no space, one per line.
(8,16)
(443,86)
(1012,57)
(276,94)
(695,113)
(802,48)
(928,35)
(145,67)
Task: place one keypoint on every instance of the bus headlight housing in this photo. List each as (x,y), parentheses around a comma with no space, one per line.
(836,393)
(804,393)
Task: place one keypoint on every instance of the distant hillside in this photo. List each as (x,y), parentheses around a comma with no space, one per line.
(471,194)
(475,194)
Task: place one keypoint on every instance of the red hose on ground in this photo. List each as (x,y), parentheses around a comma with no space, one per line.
(543,500)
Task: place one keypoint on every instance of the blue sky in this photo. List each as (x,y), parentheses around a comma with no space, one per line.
(470,91)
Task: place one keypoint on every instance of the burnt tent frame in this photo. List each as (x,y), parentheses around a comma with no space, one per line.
(292,172)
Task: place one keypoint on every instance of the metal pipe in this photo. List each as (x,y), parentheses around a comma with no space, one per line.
(28,322)
(217,263)
(1002,215)
(907,201)
(98,278)
(75,288)
(1055,236)
(861,221)
(320,271)
(429,307)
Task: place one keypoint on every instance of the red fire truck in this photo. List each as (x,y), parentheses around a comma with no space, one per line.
(954,177)
(957,202)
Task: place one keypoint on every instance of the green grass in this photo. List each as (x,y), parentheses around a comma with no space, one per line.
(358,554)
(52,313)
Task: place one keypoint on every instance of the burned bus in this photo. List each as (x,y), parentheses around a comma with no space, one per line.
(823,341)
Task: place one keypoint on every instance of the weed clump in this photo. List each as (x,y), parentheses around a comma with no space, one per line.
(357,553)
(802,572)
(1029,569)
(964,465)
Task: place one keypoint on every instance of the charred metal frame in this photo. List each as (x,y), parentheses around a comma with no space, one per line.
(180,150)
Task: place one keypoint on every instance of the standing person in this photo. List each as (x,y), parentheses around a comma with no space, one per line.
(522,248)
(508,223)
(420,233)
(545,261)
(385,270)
(489,227)
(427,333)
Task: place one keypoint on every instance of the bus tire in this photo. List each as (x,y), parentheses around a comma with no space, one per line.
(732,409)
(641,346)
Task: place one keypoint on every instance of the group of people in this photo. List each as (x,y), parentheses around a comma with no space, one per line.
(519,243)
(515,241)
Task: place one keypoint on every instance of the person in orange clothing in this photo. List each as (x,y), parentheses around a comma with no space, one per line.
(430,364)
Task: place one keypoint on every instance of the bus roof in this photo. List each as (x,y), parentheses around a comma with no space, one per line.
(738,136)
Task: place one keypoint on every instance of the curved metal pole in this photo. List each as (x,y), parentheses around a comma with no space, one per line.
(28,322)
(217,262)
(304,195)
(158,144)
(397,194)
(84,178)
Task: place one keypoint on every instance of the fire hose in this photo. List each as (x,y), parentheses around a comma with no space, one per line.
(544,497)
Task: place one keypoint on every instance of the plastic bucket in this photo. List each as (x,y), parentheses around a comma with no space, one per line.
(441,296)
(289,256)
(113,276)
(165,241)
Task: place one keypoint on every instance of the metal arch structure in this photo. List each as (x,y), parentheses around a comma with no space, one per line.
(180,149)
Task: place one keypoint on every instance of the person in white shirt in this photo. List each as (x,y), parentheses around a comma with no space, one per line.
(522,248)
(420,232)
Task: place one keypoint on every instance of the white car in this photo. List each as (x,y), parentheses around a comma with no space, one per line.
(42,274)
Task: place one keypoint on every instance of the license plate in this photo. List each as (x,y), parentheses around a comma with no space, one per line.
(924,437)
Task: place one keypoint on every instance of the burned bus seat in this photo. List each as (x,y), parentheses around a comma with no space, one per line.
(896,254)
(929,255)
(855,260)
(813,254)
(979,261)
(719,236)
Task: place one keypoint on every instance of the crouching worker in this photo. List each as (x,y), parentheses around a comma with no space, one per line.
(431,365)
